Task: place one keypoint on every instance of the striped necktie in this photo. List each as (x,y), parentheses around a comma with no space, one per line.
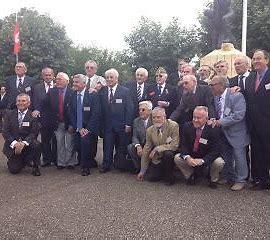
(139,92)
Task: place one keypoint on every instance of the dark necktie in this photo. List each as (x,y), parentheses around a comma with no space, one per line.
(111,96)
(20,118)
(197,139)
(258,81)
(218,107)
(61,104)
(241,82)
(20,86)
(139,92)
(49,84)
(159,90)
(79,111)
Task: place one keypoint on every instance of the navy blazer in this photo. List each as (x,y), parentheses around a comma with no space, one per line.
(91,112)
(120,112)
(13,92)
(49,108)
(4,102)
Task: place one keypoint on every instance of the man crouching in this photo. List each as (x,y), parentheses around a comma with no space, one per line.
(20,133)
(162,141)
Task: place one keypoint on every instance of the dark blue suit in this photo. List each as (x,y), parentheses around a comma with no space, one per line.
(13,91)
(90,121)
(115,116)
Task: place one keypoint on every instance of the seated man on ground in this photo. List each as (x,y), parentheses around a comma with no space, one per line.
(199,148)
(20,132)
(162,140)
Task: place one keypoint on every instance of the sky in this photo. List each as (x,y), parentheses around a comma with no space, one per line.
(104,23)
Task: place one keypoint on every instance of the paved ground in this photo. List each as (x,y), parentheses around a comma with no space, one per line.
(64,205)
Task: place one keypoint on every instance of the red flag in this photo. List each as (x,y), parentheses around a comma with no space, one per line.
(16,34)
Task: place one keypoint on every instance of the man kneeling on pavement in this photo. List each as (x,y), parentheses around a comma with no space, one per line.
(162,140)
(20,133)
(199,148)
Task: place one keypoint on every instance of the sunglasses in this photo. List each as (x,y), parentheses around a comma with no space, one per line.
(159,75)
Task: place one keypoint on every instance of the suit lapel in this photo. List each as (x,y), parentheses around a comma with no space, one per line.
(264,80)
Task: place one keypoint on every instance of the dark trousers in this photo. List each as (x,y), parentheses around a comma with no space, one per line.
(30,154)
(134,156)
(163,170)
(94,148)
(49,147)
(260,158)
(2,115)
(85,147)
(118,140)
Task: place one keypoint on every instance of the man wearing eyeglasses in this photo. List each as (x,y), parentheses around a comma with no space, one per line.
(162,94)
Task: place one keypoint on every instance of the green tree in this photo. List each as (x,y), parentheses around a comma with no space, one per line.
(44,43)
(152,46)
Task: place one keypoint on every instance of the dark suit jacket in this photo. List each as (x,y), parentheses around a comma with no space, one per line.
(173,78)
(120,112)
(13,91)
(168,95)
(132,86)
(49,108)
(203,97)
(39,94)
(139,131)
(91,112)
(258,104)
(4,102)
(208,151)
(12,131)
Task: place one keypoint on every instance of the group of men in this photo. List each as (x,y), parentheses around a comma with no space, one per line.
(199,122)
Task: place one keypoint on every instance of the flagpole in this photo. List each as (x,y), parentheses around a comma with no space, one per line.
(17,54)
(244,28)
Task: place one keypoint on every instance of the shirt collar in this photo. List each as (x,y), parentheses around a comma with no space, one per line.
(163,85)
(246,74)
(224,93)
(91,78)
(262,73)
(142,85)
(20,77)
(81,92)
(114,88)
(24,112)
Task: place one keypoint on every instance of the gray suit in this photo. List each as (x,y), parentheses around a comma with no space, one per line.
(138,137)
(233,124)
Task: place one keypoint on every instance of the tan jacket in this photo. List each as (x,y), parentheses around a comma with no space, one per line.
(169,140)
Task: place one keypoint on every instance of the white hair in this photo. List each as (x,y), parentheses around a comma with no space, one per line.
(147,104)
(159,109)
(91,61)
(142,70)
(81,77)
(113,72)
(63,75)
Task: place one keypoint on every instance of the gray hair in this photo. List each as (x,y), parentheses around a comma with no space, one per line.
(142,70)
(222,80)
(202,108)
(147,104)
(159,109)
(192,77)
(81,77)
(64,75)
(91,61)
(23,95)
(113,72)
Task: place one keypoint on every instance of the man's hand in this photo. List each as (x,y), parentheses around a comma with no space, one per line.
(214,123)
(18,147)
(163,104)
(235,89)
(83,132)
(139,150)
(36,114)
(191,162)
(198,161)
(71,130)
(92,90)
(127,129)
(98,86)
(152,154)
(140,176)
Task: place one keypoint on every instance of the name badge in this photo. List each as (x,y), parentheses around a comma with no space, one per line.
(86,109)
(25,124)
(227,111)
(203,141)
(118,100)
(267,86)
(169,139)
(28,89)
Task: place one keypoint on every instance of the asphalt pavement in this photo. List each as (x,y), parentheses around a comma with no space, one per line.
(61,204)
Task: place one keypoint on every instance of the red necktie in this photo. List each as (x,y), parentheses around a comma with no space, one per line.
(61,105)
(197,139)
(257,82)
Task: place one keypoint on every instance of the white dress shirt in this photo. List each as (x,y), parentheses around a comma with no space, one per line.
(222,101)
(245,75)
(142,88)
(17,81)
(113,90)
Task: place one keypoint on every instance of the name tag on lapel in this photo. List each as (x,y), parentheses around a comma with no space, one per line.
(86,109)
(267,86)
(28,89)
(118,100)
(25,124)
(203,141)
(227,111)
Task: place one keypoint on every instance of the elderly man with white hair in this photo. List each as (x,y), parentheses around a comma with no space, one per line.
(138,88)
(140,126)
(116,119)
(55,110)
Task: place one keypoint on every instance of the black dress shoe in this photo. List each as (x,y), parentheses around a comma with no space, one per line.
(85,172)
(169,183)
(212,185)
(36,172)
(60,167)
(93,164)
(104,170)
(71,167)
(191,180)
(260,186)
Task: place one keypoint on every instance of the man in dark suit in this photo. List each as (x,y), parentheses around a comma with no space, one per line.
(48,141)
(138,88)
(20,83)
(162,94)
(195,95)
(3,104)
(20,133)
(199,148)
(55,109)
(140,125)
(116,118)
(84,120)
(176,76)
(257,94)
